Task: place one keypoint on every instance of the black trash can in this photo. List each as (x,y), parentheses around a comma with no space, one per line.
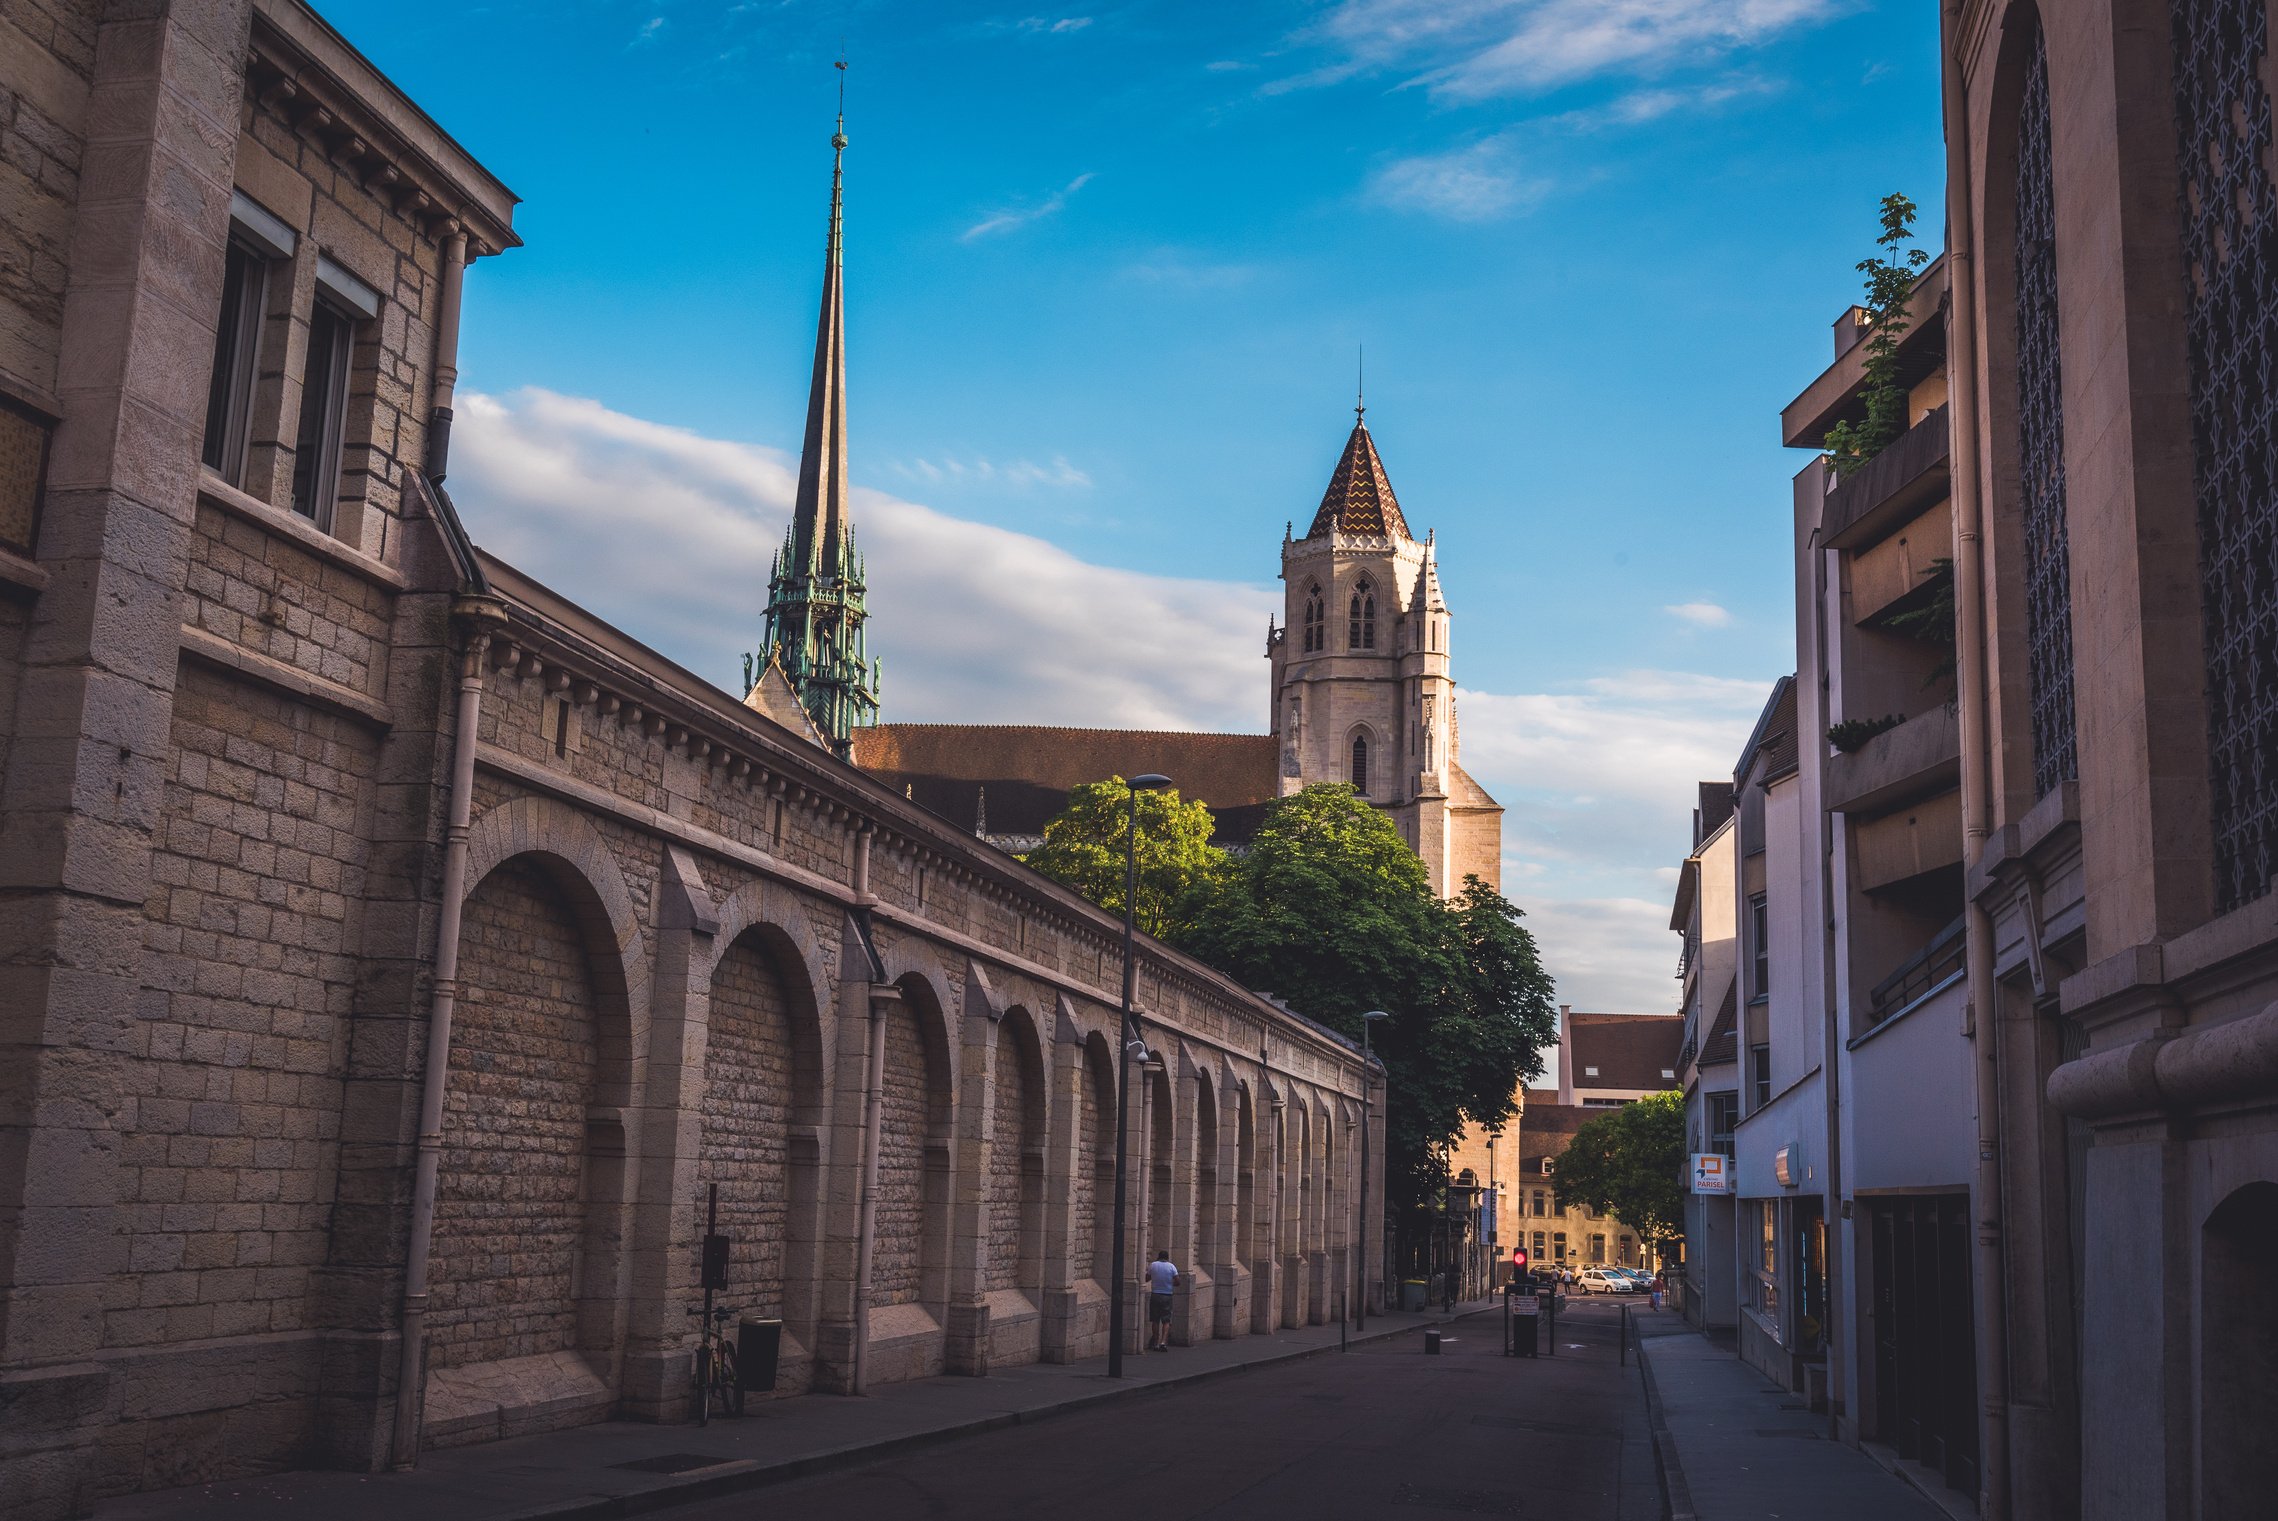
(759,1344)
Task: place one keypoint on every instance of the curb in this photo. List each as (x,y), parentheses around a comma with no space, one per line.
(1676,1494)
(738,1474)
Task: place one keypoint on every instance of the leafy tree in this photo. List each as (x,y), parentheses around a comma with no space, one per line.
(1629,1163)
(1890,284)
(1331,912)
(1083,849)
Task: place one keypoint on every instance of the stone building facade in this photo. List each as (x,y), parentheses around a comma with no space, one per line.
(2114,204)
(392,954)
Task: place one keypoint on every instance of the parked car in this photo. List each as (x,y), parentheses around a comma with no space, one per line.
(1598,1280)
(1638,1276)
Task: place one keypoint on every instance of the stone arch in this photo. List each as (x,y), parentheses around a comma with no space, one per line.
(909,1261)
(1363,763)
(2238,1352)
(1209,1215)
(762,1114)
(1161,1224)
(1092,1234)
(1248,1192)
(534,1191)
(1014,1186)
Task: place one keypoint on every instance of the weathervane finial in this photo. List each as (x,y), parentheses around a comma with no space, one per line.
(1360,384)
(838,137)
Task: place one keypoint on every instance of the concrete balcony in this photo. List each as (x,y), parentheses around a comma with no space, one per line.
(1892,488)
(1919,758)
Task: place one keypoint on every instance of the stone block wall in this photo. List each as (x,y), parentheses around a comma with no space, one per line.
(510,1217)
(43,106)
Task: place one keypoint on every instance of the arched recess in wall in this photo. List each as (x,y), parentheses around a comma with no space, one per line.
(1361,760)
(1246,1182)
(1015,1185)
(1162,1154)
(909,1261)
(533,1189)
(1091,1234)
(2238,1353)
(1209,1210)
(762,1114)
(1333,1223)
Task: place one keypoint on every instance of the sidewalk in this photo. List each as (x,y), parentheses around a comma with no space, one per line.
(1734,1444)
(624,1468)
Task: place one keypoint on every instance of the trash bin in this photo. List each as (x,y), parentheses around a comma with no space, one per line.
(759,1345)
(1412,1295)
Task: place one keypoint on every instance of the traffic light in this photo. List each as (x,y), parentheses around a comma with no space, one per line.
(1519,1258)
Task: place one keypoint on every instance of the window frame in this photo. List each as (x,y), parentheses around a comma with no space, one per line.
(1760,946)
(228,434)
(318,457)
(1357,762)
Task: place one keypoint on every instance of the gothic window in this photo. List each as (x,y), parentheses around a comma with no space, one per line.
(2230,249)
(1361,635)
(1315,619)
(1360,764)
(2040,440)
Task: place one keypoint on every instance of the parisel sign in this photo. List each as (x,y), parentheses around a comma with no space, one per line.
(1712,1173)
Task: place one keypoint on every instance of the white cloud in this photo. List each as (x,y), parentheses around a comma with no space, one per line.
(1007,221)
(1019,473)
(647,31)
(1470,49)
(669,535)
(1052,27)
(1700,614)
(1609,955)
(1474,184)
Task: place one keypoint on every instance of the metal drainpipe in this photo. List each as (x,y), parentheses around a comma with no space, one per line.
(446,994)
(446,351)
(1988,1286)
(1830,1065)
(873,1117)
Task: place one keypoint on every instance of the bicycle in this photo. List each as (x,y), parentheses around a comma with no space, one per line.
(716,1381)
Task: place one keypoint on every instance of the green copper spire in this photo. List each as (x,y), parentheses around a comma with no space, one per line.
(814,595)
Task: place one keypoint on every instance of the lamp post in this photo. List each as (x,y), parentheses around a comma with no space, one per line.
(1367,1059)
(1120,1273)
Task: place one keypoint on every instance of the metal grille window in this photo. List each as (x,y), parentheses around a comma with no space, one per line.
(2230,249)
(2040,441)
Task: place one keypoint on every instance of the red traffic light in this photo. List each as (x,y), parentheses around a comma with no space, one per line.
(1518,1256)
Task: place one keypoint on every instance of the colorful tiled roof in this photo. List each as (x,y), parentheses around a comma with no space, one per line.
(1359,499)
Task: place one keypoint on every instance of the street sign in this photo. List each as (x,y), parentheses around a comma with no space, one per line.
(1712,1173)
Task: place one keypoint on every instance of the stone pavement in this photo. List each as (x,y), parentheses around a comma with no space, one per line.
(624,1468)
(1735,1445)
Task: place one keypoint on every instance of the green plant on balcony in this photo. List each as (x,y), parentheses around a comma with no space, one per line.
(1932,622)
(1890,283)
(1852,733)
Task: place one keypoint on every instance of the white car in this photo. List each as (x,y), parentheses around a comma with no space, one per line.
(1598,1280)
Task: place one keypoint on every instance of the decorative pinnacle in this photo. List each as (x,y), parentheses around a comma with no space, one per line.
(838,136)
(1360,384)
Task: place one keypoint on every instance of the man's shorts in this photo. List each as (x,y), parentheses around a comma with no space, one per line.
(1159,1308)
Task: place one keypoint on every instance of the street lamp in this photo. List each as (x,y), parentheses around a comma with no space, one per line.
(1121,1271)
(1368,1020)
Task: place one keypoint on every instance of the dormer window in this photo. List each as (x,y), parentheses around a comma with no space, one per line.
(1361,634)
(1316,619)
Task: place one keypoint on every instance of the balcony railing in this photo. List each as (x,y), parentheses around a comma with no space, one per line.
(1928,967)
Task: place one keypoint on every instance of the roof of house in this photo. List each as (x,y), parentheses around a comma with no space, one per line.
(1027,771)
(1772,750)
(1628,1050)
(1546,1125)
(1359,499)
(1715,806)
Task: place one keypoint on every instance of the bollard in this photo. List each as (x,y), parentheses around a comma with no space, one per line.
(1432,1342)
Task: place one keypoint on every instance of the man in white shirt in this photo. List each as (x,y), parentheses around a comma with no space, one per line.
(1162,1278)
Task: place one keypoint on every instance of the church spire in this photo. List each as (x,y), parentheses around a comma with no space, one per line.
(815,607)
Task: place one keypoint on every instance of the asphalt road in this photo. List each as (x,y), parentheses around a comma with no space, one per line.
(1380,1431)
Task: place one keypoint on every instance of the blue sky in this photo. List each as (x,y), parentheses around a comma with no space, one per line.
(1108,267)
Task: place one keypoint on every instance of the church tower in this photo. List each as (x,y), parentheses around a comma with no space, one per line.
(814,639)
(1362,687)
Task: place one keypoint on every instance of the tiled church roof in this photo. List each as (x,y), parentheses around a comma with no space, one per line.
(1029,770)
(1359,499)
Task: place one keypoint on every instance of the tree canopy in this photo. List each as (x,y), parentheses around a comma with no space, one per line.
(1629,1163)
(1083,849)
(1330,912)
